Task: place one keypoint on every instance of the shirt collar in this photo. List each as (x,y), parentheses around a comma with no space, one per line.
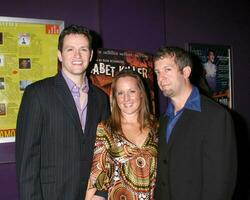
(192,103)
(73,87)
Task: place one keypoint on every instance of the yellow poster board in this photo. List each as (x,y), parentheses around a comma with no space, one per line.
(28,52)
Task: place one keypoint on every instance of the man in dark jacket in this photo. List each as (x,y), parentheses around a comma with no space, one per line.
(197,150)
(56,125)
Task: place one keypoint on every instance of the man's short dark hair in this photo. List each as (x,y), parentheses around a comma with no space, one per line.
(182,58)
(74,29)
(209,51)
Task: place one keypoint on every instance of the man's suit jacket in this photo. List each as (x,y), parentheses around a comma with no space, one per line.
(199,161)
(53,155)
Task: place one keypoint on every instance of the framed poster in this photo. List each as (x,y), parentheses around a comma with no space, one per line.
(28,52)
(217,70)
(109,62)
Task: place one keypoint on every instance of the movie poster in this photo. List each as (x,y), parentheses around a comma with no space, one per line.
(217,71)
(28,52)
(109,62)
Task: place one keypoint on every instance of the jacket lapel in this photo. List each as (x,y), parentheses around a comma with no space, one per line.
(162,131)
(180,127)
(65,98)
(91,109)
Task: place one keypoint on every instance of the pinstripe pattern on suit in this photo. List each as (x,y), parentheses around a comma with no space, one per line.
(53,155)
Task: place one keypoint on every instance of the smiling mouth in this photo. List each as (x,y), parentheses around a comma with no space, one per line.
(128,105)
(77,62)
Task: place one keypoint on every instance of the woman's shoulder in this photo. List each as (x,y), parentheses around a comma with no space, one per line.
(103,133)
(103,129)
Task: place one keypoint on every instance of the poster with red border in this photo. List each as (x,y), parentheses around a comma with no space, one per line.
(110,61)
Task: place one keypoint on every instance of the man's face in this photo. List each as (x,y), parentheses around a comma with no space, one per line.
(211,56)
(24,63)
(169,78)
(75,55)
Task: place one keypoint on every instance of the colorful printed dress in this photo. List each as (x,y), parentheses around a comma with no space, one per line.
(120,167)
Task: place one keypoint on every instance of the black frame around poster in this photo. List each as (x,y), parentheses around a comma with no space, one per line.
(220,86)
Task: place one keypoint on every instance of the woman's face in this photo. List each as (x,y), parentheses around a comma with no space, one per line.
(128,95)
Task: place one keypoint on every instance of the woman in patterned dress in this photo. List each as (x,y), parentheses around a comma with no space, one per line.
(124,162)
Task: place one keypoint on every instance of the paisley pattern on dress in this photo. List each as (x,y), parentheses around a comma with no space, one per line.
(126,171)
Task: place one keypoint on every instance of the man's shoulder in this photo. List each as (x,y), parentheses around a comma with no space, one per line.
(39,84)
(98,98)
(211,106)
(208,101)
(97,90)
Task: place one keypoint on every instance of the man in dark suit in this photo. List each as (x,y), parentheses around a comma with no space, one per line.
(56,125)
(197,150)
